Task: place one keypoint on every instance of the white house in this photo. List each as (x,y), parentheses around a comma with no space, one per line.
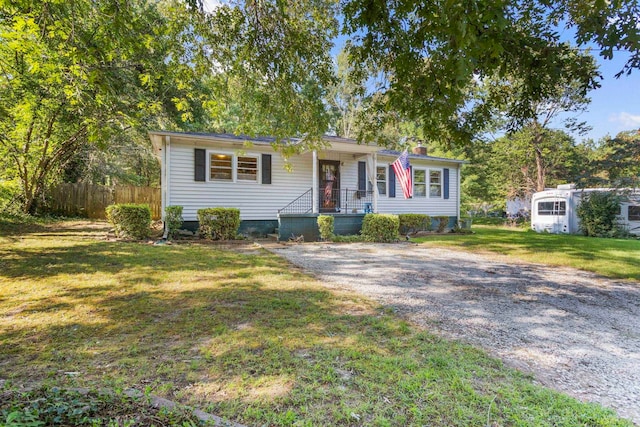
(345,179)
(555,210)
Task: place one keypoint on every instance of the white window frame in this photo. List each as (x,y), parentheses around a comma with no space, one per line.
(425,182)
(253,156)
(224,153)
(629,208)
(385,168)
(441,184)
(234,166)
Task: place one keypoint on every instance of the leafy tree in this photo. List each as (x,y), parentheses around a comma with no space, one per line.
(75,73)
(513,164)
(273,67)
(432,55)
(619,164)
(346,99)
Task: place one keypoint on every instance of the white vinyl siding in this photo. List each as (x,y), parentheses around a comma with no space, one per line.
(256,201)
(432,206)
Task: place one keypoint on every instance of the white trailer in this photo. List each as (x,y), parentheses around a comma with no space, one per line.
(555,210)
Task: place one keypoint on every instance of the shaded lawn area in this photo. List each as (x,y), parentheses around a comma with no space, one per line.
(240,333)
(618,258)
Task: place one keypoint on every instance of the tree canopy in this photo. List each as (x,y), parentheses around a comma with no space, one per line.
(432,56)
(75,74)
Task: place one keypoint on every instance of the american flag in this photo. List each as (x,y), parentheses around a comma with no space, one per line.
(403,172)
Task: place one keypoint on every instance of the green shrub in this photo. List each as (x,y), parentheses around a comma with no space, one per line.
(598,212)
(380,228)
(130,220)
(173,219)
(325,226)
(411,223)
(443,221)
(219,223)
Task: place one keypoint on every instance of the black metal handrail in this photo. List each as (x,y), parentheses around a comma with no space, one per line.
(332,201)
(303,204)
(346,201)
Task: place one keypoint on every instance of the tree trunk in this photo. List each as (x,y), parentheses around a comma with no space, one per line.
(541,175)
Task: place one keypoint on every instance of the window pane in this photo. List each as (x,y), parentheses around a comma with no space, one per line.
(221,167)
(435,184)
(381,179)
(419,183)
(552,208)
(634,213)
(247,168)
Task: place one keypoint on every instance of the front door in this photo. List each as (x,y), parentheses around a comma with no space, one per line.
(329,185)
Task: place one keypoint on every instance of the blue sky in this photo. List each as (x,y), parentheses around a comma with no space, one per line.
(615,106)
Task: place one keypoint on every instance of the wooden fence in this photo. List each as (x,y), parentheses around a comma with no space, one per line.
(90,200)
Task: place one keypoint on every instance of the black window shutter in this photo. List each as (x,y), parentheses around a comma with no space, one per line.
(200,164)
(445,183)
(362,176)
(392,182)
(266,168)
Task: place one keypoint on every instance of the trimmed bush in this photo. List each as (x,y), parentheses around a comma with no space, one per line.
(173,219)
(598,213)
(325,226)
(130,220)
(219,223)
(380,228)
(443,221)
(412,223)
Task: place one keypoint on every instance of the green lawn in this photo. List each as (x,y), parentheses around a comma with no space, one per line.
(618,258)
(239,333)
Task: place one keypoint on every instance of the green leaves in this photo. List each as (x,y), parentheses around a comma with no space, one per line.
(435,56)
(78,73)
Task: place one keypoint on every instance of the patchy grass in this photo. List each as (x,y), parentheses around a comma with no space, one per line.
(239,333)
(618,258)
(46,406)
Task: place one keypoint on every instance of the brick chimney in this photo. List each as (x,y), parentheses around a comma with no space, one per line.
(420,150)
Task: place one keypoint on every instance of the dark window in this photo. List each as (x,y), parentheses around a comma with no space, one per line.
(634,213)
(552,208)
(266,168)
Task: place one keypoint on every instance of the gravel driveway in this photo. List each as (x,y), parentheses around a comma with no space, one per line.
(577,332)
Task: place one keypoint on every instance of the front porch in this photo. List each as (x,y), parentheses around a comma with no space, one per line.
(331,202)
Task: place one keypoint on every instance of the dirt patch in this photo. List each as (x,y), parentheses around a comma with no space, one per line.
(576,332)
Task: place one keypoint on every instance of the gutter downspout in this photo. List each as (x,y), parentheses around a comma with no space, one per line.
(315,197)
(375,182)
(458,196)
(166,199)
